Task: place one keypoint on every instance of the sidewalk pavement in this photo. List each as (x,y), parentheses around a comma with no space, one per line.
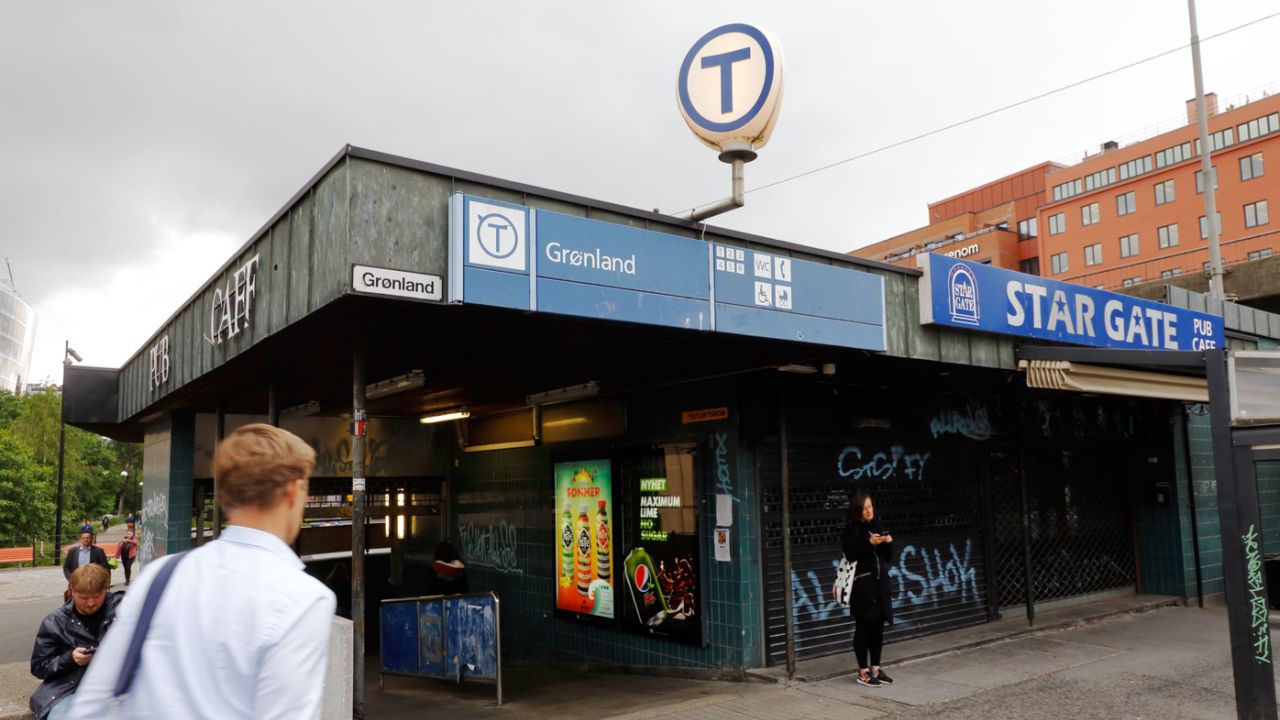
(1170,663)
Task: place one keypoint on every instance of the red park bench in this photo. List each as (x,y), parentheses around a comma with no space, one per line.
(15,555)
(23,554)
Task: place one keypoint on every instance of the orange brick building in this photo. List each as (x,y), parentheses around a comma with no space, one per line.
(1123,216)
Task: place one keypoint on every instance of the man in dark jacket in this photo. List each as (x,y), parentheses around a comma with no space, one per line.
(85,553)
(68,637)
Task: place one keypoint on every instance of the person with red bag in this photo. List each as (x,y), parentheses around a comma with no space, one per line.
(126,553)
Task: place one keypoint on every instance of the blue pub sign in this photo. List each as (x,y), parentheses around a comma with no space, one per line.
(973,296)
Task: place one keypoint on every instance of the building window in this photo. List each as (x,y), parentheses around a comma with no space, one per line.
(1126,203)
(1168,235)
(1059,262)
(1164,192)
(1200,179)
(1129,246)
(1030,267)
(1204,226)
(1129,282)
(1251,167)
(1089,214)
(1218,140)
(1255,214)
(1067,189)
(1257,128)
(1207,264)
(1057,224)
(1135,167)
(1100,179)
(1027,229)
(1259,254)
(1173,155)
(1172,272)
(1093,254)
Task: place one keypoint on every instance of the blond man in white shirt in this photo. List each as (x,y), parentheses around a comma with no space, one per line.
(241,631)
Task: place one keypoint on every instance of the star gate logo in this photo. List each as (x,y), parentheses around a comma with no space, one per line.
(962,295)
(496,236)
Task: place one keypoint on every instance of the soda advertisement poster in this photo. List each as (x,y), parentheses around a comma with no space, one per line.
(661,564)
(584,538)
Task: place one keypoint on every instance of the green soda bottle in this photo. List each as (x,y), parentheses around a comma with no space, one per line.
(646,594)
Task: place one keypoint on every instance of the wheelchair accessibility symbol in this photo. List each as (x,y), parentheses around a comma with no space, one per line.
(496,236)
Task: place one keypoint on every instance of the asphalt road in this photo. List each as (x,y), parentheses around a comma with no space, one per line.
(18,624)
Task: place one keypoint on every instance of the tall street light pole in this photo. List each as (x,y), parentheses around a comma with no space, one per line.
(67,356)
(124,478)
(1216,289)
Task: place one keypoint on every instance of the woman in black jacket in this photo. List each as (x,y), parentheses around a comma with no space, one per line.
(867,543)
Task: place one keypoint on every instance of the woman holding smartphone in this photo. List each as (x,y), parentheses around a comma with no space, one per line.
(869,545)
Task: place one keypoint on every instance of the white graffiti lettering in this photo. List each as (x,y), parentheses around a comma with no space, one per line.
(820,604)
(897,464)
(724,480)
(155,515)
(491,546)
(941,575)
(971,422)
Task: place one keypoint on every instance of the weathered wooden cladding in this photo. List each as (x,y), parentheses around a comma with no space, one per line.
(376,210)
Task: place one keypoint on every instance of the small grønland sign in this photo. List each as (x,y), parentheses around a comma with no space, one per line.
(396,283)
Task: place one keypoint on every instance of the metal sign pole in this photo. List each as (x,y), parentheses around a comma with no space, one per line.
(1241,522)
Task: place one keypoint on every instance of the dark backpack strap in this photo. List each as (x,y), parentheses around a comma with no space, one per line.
(134,656)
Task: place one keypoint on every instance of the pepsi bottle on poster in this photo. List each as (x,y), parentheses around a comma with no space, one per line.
(646,594)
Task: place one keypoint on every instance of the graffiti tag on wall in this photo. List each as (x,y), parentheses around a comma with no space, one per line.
(155,515)
(1257,597)
(944,574)
(972,422)
(919,576)
(724,479)
(491,546)
(896,464)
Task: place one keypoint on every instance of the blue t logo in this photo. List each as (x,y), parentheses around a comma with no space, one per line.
(726,61)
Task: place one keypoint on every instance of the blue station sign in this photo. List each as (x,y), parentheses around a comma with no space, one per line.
(973,296)
(515,257)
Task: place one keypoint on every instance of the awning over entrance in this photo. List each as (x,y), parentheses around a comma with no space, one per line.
(1081,377)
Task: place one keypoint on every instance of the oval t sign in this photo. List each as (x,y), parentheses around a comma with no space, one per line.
(730,87)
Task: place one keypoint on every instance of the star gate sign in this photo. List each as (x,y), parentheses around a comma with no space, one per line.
(974,296)
(730,88)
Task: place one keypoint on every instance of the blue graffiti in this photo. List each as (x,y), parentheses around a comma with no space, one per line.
(942,575)
(821,603)
(897,464)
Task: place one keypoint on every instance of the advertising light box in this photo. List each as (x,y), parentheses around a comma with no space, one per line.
(661,566)
(584,550)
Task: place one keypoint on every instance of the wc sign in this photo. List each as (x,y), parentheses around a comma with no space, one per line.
(729,88)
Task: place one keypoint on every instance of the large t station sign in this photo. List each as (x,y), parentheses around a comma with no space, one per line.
(516,257)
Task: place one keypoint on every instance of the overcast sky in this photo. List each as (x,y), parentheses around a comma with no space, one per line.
(144,142)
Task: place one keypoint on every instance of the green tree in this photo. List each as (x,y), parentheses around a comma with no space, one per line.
(26,493)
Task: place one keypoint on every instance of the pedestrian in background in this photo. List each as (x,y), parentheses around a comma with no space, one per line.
(126,553)
(870,546)
(67,639)
(241,631)
(85,553)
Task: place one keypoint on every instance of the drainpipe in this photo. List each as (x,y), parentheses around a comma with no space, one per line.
(358,425)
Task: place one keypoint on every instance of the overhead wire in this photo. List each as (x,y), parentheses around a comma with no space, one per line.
(1010,106)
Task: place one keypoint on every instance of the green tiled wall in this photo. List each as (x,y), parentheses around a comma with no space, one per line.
(1206,494)
(1269,499)
(505,498)
(1163,534)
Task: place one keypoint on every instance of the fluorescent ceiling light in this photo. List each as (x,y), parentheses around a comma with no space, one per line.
(445,416)
(397,384)
(564,394)
(564,421)
(798,369)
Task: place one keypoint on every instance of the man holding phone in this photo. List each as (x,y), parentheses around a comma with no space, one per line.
(68,638)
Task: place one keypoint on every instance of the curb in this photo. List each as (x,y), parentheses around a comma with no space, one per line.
(762,676)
